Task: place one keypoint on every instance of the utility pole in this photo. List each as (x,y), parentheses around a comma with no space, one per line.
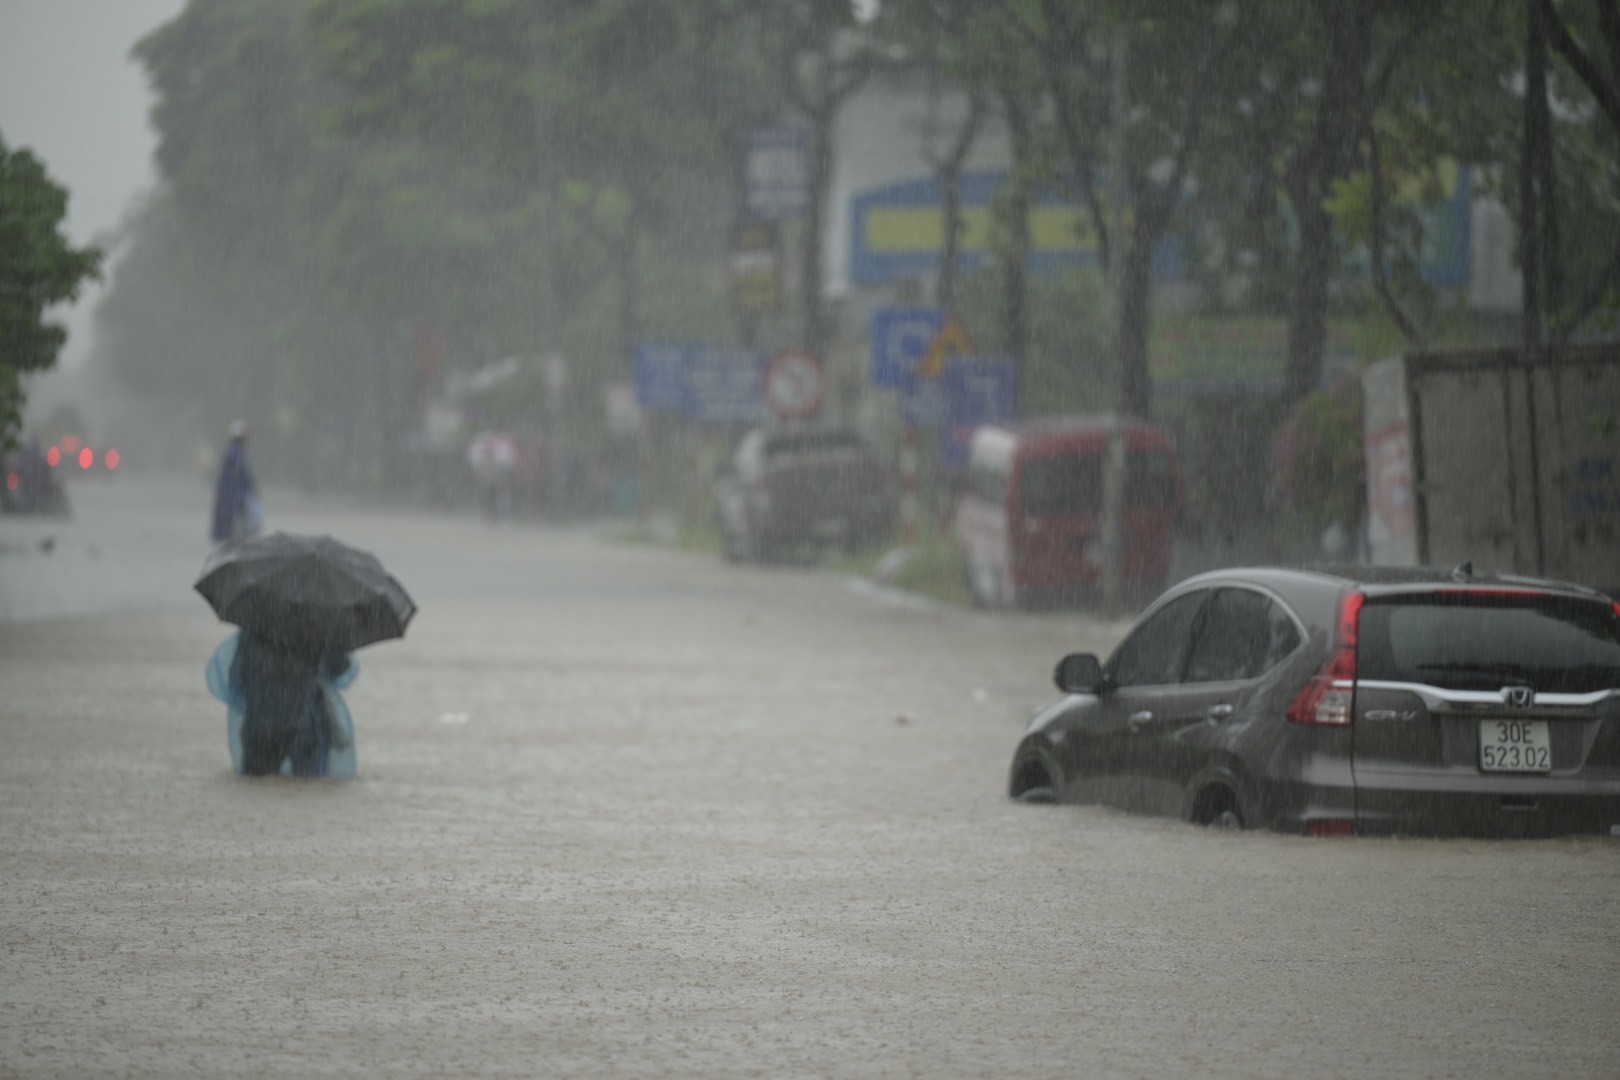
(1113,487)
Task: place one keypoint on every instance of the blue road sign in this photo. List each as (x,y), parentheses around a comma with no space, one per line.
(900,337)
(981,392)
(705,384)
(725,387)
(660,376)
(778,184)
(970,392)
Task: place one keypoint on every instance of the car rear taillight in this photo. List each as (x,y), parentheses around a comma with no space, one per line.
(1330,827)
(53,457)
(112,459)
(1329,696)
(87,458)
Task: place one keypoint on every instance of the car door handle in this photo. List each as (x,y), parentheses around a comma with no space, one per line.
(1137,719)
(1216,713)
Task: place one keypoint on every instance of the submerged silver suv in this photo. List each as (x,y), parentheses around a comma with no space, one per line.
(1347,700)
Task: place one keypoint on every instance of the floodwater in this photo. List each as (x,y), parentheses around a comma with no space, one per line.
(626,812)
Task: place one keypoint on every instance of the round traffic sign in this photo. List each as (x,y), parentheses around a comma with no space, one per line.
(795,384)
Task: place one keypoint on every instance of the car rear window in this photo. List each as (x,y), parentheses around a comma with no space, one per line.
(814,442)
(1476,641)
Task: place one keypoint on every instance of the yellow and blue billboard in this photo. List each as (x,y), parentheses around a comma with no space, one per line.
(898,231)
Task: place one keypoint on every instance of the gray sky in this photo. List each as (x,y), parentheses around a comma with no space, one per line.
(70,92)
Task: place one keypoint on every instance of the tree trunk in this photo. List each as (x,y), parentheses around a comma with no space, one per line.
(1308,298)
(1132,326)
(1533,244)
(811,285)
(950,188)
(629,288)
(1015,272)
(949,171)
(1347,50)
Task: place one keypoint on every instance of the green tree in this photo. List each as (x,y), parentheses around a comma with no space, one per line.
(1585,36)
(600,110)
(38,268)
(821,59)
(1165,119)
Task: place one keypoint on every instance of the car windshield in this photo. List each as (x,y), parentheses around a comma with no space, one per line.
(1474,641)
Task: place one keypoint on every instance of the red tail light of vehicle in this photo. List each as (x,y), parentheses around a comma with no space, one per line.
(53,457)
(87,458)
(112,459)
(1330,827)
(1329,696)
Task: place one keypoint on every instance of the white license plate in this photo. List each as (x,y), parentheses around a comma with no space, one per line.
(1514,746)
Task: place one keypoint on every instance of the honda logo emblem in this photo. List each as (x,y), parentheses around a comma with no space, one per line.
(1519,697)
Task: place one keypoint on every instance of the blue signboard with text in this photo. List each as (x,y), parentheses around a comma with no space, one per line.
(968,393)
(705,384)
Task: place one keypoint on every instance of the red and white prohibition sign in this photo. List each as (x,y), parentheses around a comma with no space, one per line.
(795,384)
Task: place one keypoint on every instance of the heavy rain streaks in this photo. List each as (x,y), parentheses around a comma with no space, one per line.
(641,812)
(751,402)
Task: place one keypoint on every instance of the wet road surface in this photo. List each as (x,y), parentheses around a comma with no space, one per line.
(630,812)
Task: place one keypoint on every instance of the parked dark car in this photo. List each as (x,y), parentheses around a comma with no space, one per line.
(32,481)
(802,487)
(1347,700)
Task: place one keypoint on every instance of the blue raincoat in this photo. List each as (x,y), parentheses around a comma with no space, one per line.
(322,730)
(232,493)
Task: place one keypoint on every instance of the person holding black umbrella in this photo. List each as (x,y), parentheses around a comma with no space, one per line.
(287,714)
(304,604)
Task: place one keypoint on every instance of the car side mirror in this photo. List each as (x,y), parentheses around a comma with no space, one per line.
(1079,673)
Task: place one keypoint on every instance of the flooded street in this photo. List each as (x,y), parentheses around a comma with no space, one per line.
(625,811)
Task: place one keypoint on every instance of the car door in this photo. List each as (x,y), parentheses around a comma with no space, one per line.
(1143,673)
(1242,634)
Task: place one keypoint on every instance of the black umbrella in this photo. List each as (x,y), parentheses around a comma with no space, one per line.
(309,593)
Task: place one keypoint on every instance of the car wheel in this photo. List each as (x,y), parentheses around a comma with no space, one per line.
(733,544)
(1217,808)
(1032,783)
(1007,595)
(980,585)
(1226,819)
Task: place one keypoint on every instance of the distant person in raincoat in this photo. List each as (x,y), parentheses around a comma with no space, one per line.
(236,495)
(286,714)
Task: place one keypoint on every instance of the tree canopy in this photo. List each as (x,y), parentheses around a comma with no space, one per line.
(356,189)
(39,267)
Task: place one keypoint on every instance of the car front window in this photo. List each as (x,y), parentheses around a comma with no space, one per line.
(1153,654)
(1243,636)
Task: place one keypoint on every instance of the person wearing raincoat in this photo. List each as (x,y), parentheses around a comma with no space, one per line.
(236,493)
(286,713)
